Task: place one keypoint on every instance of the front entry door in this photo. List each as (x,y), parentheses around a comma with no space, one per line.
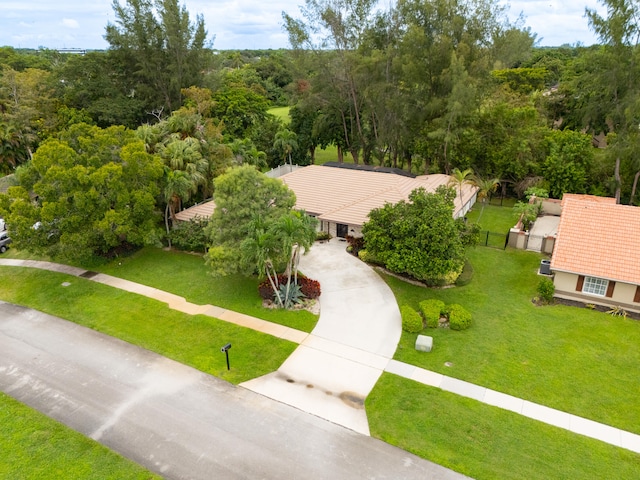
(342,230)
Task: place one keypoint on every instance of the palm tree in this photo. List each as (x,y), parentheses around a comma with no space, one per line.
(286,141)
(245,152)
(177,187)
(486,186)
(461,178)
(257,249)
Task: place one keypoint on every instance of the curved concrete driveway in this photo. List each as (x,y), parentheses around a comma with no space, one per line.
(331,373)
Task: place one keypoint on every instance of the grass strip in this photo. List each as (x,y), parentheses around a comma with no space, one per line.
(571,359)
(486,442)
(187,275)
(36,447)
(191,340)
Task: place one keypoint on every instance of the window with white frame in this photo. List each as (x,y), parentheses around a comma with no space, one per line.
(595,286)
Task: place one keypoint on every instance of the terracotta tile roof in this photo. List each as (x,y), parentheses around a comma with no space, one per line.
(347,196)
(587,198)
(597,237)
(203,210)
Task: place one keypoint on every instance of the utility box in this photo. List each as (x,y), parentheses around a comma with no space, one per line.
(545,267)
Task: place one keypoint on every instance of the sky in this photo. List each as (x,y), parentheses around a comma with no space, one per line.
(242,24)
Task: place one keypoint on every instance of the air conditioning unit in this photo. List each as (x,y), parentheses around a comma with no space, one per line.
(545,267)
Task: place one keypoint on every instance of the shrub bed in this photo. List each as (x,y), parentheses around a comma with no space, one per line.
(411,320)
(431,311)
(308,287)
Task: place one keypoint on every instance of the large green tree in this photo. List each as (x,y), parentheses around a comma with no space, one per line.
(419,237)
(157,45)
(608,90)
(241,194)
(95,191)
(254,229)
(567,168)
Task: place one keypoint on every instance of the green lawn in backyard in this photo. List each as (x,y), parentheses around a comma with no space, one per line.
(282,113)
(191,340)
(572,359)
(37,447)
(187,275)
(486,442)
(494,218)
(330,154)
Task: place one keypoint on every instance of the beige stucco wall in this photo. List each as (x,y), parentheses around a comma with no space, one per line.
(551,206)
(332,229)
(518,238)
(623,293)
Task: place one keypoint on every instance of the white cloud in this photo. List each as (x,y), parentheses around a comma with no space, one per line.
(243,23)
(70,23)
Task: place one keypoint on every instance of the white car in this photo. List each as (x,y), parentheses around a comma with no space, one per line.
(4,241)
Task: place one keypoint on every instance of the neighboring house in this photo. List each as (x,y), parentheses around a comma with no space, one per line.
(342,195)
(596,259)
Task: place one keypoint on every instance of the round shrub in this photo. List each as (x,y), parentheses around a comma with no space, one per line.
(459,317)
(411,320)
(466,275)
(431,310)
(546,290)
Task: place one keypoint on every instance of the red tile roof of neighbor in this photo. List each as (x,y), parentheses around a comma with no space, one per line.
(347,196)
(599,238)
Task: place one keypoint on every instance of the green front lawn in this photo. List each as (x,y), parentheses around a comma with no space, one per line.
(34,447)
(571,359)
(486,442)
(192,340)
(187,275)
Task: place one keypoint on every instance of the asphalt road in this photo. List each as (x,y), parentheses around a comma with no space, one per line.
(178,421)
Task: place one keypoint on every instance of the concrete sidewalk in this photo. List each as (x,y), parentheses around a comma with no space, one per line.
(331,379)
(557,418)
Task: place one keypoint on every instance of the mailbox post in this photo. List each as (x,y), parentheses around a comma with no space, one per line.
(225,349)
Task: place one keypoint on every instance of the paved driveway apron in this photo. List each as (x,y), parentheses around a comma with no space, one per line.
(176,420)
(331,373)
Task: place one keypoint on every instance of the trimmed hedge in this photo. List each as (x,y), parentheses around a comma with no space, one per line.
(431,310)
(411,320)
(459,317)
(368,258)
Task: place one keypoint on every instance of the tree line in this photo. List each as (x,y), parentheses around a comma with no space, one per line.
(427,86)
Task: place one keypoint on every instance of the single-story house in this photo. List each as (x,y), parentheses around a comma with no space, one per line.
(341,196)
(201,211)
(596,258)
